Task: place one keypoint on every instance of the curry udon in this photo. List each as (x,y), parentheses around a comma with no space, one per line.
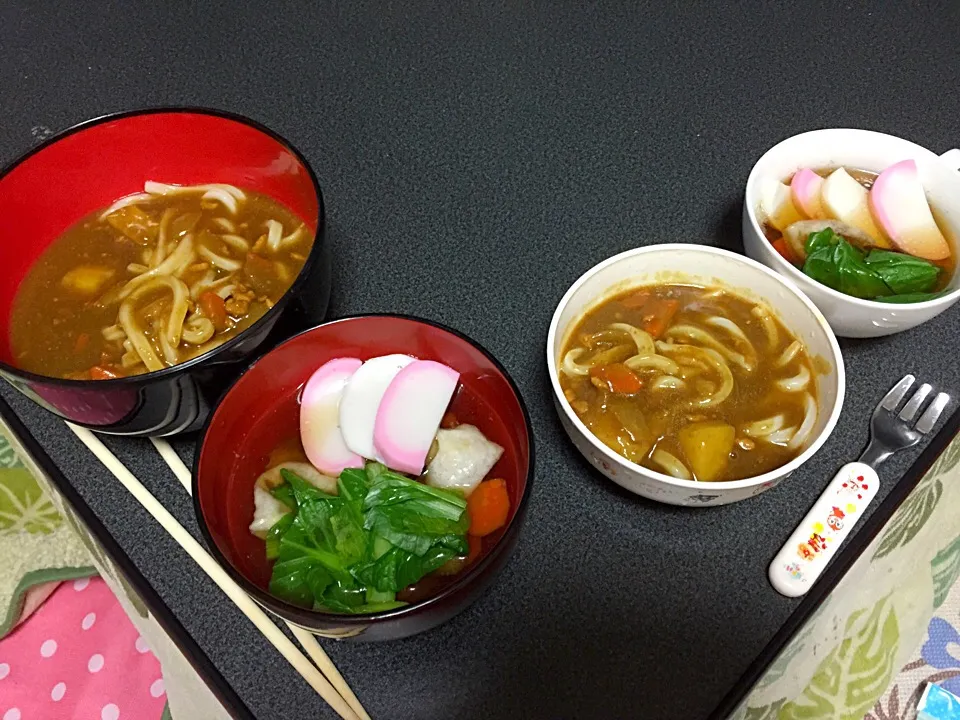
(698,383)
(156,279)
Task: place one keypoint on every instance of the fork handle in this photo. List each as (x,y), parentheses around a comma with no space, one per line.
(804,556)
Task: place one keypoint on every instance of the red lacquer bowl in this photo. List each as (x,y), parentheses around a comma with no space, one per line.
(262,409)
(93,164)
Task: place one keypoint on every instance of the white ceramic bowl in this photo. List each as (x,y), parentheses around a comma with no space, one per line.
(695,264)
(863,150)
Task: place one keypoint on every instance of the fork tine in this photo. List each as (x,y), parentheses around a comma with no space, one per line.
(913,405)
(897,393)
(934,410)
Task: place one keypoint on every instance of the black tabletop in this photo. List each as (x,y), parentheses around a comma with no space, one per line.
(476,158)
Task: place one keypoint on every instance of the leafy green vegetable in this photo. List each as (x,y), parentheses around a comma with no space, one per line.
(344,595)
(836,263)
(274,535)
(301,541)
(353,485)
(399,568)
(353,552)
(877,275)
(393,489)
(414,516)
(376,596)
(903,274)
(302,490)
(374,470)
(418,533)
(289,580)
(284,493)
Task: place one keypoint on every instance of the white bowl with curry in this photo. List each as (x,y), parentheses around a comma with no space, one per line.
(691,375)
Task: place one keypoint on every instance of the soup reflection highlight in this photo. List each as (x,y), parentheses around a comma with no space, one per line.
(154,280)
(698,383)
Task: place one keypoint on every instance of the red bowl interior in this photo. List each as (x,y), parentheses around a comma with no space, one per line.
(262,409)
(94,164)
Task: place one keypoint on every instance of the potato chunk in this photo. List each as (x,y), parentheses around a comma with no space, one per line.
(707,447)
(87,279)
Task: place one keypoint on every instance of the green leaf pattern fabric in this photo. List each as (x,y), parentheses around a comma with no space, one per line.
(911,517)
(945,569)
(36,546)
(846,655)
(855,673)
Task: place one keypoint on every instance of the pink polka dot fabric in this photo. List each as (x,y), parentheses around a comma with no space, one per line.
(79,657)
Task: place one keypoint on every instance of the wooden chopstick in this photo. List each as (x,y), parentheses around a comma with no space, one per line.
(244,602)
(305,638)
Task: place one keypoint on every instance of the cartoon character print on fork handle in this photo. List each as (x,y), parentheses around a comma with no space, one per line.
(827,523)
(823,533)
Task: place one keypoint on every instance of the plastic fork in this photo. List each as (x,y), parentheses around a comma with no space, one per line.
(808,550)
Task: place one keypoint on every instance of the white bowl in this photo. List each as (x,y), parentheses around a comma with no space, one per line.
(863,150)
(694,264)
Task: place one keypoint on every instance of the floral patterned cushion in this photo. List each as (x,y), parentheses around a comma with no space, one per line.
(888,627)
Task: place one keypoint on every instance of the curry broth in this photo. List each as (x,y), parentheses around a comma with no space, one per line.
(637,424)
(59,319)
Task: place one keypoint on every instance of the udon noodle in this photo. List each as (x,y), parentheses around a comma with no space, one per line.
(155,279)
(692,382)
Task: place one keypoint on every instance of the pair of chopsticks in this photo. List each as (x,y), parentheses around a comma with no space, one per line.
(327,681)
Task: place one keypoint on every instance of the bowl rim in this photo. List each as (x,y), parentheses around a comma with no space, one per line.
(943,302)
(769,476)
(307,616)
(314,256)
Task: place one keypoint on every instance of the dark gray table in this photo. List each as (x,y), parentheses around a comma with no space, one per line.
(475,162)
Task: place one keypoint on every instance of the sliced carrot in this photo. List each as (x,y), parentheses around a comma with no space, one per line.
(83,339)
(783,247)
(635,300)
(658,314)
(488,506)
(618,378)
(449,421)
(98,372)
(215,309)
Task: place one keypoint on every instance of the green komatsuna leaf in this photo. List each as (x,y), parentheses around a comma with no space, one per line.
(344,595)
(289,580)
(353,487)
(825,238)
(302,490)
(393,489)
(398,568)
(300,541)
(380,537)
(350,539)
(284,493)
(945,568)
(417,533)
(910,517)
(834,262)
(903,274)
(855,673)
(275,533)
(374,470)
